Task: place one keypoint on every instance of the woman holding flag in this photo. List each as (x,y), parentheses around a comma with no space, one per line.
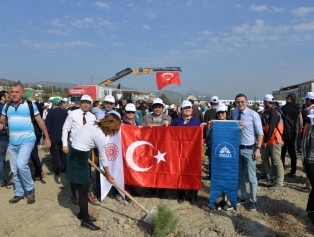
(186,119)
(87,137)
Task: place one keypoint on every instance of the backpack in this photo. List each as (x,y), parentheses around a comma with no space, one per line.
(289,126)
(37,130)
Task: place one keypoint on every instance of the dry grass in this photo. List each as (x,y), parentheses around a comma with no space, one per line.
(285,224)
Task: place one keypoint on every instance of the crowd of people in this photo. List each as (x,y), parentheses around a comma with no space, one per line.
(71,132)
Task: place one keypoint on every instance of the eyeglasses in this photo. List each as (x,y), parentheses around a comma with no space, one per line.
(108,103)
(187,107)
(240,101)
(220,112)
(157,106)
(130,112)
(84,102)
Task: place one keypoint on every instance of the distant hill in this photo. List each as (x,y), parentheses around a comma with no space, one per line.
(49,83)
(2,80)
(171,95)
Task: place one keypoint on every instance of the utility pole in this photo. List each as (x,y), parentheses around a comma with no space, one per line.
(91,80)
(51,89)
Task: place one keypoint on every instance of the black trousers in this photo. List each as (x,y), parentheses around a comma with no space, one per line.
(83,203)
(309,170)
(36,161)
(181,193)
(58,157)
(292,153)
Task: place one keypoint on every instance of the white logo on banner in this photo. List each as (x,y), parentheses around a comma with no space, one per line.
(225,150)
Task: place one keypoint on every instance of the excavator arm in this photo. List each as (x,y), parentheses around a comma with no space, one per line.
(135,72)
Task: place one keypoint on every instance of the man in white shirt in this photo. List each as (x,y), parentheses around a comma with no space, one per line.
(108,105)
(76,119)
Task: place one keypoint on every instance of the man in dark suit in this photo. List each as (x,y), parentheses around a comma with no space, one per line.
(54,122)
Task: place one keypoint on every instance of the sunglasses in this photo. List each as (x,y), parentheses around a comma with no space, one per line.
(220,112)
(187,107)
(108,103)
(130,112)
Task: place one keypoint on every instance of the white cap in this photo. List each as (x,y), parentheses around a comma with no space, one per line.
(221,107)
(110,98)
(260,108)
(130,107)
(171,106)
(268,97)
(310,95)
(214,100)
(114,112)
(65,100)
(87,97)
(186,103)
(46,104)
(158,101)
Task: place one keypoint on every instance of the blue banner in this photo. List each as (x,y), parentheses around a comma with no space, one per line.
(224,161)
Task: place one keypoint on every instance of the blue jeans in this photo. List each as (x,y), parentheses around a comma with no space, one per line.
(3,151)
(247,164)
(19,155)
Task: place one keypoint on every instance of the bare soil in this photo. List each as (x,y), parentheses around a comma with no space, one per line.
(279,213)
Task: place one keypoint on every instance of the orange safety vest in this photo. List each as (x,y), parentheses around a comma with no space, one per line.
(276,137)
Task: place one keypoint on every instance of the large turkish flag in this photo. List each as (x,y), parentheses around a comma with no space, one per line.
(166,78)
(163,157)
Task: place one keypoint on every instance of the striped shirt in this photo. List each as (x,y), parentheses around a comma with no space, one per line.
(20,124)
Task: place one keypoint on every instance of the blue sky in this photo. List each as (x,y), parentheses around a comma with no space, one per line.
(224,47)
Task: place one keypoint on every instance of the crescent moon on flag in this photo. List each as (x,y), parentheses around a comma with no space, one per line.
(129,155)
(167,73)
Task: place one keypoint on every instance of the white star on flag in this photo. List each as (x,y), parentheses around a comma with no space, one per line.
(160,157)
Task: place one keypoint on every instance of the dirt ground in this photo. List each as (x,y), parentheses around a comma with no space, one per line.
(279,213)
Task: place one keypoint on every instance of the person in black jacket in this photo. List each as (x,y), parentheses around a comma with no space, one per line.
(39,174)
(54,122)
(292,112)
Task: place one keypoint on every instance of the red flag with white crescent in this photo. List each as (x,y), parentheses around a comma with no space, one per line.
(163,157)
(166,78)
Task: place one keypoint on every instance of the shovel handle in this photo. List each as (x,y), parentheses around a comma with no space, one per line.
(118,187)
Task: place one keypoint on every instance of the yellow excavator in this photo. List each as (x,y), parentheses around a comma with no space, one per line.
(135,72)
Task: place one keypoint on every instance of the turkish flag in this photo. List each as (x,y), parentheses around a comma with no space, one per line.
(166,78)
(163,157)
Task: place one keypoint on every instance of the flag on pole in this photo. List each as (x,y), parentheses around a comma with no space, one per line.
(166,78)
(113,150)
(163,157)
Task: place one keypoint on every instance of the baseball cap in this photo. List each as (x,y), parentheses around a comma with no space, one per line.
(186,103)
(310,95)
(221,107)
(29,95)
(158,101)
(56,101)
(268,97)
(171,106)
(65,100)
(130,107)
(260,108)
(114,112)
(110,98)
(214,100)
(87,97)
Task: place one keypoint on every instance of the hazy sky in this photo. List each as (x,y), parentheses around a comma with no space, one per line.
(224,47)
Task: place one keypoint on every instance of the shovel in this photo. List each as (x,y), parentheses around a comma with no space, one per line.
(150,214)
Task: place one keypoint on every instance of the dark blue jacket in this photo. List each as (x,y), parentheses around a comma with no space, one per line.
(54,123)
(3,138)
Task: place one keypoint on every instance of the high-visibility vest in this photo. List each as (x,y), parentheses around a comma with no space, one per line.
(276,137)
